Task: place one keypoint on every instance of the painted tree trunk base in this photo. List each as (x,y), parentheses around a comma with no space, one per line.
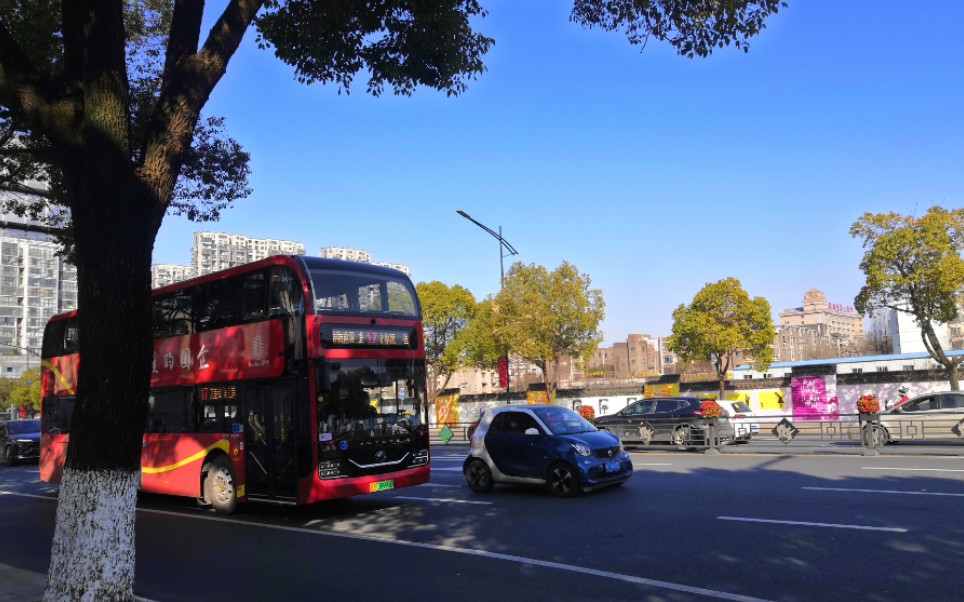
(92,558)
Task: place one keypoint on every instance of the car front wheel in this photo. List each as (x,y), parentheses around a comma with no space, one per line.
(563,480)
(9,456)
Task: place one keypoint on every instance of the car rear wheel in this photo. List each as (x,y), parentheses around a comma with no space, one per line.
(683,436)
(478,476)
(878,436)
(563,480)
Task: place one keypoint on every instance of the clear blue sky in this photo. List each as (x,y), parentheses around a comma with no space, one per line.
(652,173)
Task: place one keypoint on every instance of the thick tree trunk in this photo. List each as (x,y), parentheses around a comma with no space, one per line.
(93,550)
(92,557)
(115,219)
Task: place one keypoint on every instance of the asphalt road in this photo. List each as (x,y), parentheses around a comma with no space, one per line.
(686,527)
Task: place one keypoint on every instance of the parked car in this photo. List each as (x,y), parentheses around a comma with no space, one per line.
(675,420)
(934,416)
(20,440)
(544,445)
(741,418)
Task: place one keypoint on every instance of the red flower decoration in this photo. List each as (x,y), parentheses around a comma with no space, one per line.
(868,404)
(587,412)
(710,409)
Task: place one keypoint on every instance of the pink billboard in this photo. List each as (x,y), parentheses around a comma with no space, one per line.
(814,397)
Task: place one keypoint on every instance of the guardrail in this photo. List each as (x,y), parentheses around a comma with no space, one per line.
(868,434)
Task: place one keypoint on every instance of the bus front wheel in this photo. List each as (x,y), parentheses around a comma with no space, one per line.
(220,490)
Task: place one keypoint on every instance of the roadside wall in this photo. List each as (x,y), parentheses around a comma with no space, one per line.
(815,393)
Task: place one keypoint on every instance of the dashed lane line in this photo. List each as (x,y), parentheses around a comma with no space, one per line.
(809,524)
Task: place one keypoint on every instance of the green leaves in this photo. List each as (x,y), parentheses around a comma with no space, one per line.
(693,27)
(721,321)
(543,315)
(400,43)
(446,311)
(914,265)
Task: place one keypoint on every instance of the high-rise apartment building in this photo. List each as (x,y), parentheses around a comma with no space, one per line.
(396,266)
(360,256)
(35,284)
(163,274)
(214,251)
(346,254)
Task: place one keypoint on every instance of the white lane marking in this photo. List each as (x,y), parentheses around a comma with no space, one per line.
(808,524)
(446,500)
(914,469)
(885,491)
(446,469)
(656,583)
(652,464)
(676,587)
(438,485)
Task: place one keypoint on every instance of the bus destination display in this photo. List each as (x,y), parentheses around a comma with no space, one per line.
(384,337)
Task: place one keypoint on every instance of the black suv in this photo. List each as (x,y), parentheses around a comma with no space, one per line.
(675,420)
(20,440)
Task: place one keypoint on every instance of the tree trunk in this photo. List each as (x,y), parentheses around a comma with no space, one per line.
(93,550)
(952,376)
(92,557)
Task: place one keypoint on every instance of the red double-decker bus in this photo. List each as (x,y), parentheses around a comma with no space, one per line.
(292,379)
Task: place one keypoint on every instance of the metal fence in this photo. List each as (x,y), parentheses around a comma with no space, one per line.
(867,434)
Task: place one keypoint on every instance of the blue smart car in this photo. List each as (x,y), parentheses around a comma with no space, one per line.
(544,445)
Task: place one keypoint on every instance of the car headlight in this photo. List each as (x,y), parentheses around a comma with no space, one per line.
(581,449)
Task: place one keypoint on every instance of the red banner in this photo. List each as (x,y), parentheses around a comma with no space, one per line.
(246,351)
(503,373)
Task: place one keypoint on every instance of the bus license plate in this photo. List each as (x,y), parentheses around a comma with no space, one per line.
(381,486)
(612,466)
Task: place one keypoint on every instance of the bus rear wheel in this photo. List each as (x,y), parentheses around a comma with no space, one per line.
(220,490)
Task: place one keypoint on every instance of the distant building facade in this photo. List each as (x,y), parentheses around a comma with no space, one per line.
(906,334)
(836,321)
(164,274)
(639,356)
(346,254)
(215,251)
(35,284)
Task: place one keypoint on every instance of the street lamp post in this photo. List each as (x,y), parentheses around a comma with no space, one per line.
(505,250)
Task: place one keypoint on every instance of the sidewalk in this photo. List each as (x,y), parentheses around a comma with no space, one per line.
(20,585)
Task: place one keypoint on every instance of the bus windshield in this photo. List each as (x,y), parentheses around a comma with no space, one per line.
(361,293)
(375,398)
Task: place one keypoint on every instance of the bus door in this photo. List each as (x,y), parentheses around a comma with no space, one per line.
(270,440)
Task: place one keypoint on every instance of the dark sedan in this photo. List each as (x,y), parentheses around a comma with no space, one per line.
(20,440)
(675,420)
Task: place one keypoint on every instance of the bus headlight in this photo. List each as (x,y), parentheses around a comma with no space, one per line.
(329,469)
(420,457)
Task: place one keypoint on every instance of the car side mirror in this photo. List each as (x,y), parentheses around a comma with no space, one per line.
(532,431)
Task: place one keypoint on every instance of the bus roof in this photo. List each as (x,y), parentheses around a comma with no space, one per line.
(298,262)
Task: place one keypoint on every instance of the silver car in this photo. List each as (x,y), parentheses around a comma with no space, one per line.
(934,416)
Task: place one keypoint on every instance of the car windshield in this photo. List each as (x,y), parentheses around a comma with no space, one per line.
(561,421)
(19,427)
